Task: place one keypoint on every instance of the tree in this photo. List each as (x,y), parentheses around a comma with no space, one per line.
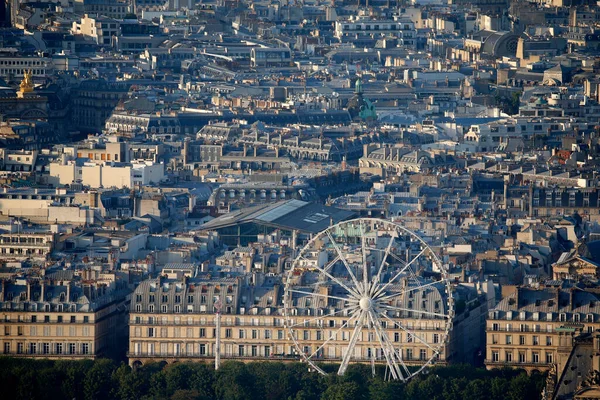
(342,391)
(98,382)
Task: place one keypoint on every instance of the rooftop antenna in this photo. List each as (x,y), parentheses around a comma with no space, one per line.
(217,306)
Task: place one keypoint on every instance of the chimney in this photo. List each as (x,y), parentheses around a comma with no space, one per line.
(42,290)
(28,290)
(572,297)
(3,290)
(68,291)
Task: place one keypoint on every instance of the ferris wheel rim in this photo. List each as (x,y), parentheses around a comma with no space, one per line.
(354,307)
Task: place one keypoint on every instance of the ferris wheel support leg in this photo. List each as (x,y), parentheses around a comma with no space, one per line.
(351,345)
(393,367)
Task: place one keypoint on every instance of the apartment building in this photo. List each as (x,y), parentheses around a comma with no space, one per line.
(14,64)
(61,317)
(362,26)
(174,320)
(533,327)
(26,245)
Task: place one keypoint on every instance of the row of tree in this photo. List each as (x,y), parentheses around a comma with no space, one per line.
(104,379)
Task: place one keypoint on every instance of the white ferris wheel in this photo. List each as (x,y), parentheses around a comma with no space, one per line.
(369,290)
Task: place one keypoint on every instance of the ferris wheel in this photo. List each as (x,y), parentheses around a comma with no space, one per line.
(369,290)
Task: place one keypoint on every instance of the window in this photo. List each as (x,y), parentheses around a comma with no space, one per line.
(151,332)
(255,334)
(396,336)
(32,348)
(548,340)
(521,340)
(436,338)
(241,350)
(19,348)
(241,333)
(33,318)
(202,332)
(422,354)
(46,348)
(228,333)
(495,356)
(508,356)
(495,327)
(72,319)
(549,358)
(508,339)
(6,348)
(536,357)
(86,319)
(280,335)
(59,348)
(536,340)
(522,357)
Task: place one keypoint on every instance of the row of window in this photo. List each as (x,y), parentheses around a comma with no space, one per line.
(562,317)
(392,27)
(535,340)
(522,357)
(48,319)
(48,348)
(202,349)
(46,331)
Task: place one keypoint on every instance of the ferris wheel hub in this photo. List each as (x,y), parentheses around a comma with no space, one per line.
(366,303)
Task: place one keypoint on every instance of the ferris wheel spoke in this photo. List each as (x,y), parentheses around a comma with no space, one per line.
(383,262)
(390,296)
(386,351)
(394,308)
(350,348)
(331,263)
(399,273)
(350,299)
(341,257)
(336,280)
(332,336)
(331,314)
(364,256)
(410,333)
(402,363)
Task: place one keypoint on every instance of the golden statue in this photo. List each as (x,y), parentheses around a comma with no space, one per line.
(27,82)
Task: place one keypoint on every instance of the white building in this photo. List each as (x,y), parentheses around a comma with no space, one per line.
(107,175)
(100,29)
